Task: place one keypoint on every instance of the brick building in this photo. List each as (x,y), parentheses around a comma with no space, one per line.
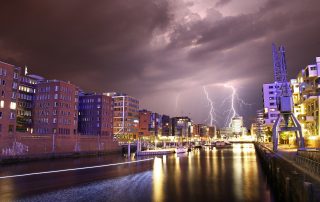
(144,123)
(95,114)
(56,108)
(9,82)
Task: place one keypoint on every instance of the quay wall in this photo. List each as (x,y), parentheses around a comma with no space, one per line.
(24,145)
(289,183)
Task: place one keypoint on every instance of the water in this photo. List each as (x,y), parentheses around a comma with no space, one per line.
(232,174)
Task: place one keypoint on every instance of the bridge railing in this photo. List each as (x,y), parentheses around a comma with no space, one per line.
(310,165)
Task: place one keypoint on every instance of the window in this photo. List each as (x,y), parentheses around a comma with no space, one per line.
(10,128)
(15,75)
(0,115)
(15,85)
(1,104)
(56,88)
(54,120)
(13,105)
(12,115)
(3,82)
(55,96)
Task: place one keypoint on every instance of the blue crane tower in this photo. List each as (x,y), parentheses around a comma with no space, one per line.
(286,120)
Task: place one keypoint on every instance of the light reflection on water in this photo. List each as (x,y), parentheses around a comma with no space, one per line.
(230,174)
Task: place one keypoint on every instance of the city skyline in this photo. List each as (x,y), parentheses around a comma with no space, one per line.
(164,51)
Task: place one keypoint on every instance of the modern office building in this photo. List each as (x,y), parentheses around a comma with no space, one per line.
(166,125)
(237,126)
(95,114)
(9,83)
(126,115)
(56,108)
(181,126)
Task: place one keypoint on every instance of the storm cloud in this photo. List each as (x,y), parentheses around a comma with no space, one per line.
(162,52)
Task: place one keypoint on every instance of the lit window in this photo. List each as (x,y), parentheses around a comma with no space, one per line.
(13,105)
(1,104)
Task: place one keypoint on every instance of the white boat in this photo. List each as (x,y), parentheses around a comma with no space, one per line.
(181,150)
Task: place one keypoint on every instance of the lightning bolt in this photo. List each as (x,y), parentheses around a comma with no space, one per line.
(233,99)
(232,110)
(210,102)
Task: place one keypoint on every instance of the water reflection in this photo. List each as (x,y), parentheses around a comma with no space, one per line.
(231,174)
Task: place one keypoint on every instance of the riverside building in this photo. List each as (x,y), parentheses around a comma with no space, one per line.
(9,82)
(95,114)
(126,115)
(56,108)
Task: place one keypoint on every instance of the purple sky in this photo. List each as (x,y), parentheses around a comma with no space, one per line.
(162,52)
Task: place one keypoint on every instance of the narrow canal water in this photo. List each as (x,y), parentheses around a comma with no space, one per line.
(229,174)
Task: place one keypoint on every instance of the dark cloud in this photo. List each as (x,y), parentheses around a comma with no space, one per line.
(159,50)
(222,3)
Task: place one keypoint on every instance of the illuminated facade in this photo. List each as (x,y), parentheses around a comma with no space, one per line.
(25,99)
(306,94)
(126,115)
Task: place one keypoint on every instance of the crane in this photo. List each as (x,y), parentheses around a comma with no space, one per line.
(284,100)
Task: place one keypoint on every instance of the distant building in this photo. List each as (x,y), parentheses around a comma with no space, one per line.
(95,114)
(9,82)
(156,124)
(166,125)
(144,123)
(56,108)
(181,126)
(237,125)
(126,115)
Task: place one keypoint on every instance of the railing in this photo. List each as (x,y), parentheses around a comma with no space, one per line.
(310,165)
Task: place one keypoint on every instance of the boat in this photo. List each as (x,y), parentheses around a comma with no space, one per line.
(181,150)
(222,144)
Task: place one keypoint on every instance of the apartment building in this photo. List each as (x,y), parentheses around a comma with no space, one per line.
(56,108)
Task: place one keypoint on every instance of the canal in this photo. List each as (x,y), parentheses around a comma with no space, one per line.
(229,174)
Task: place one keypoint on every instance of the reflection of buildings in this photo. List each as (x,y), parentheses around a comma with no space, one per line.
(126,115)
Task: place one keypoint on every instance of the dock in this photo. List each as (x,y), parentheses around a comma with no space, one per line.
(156,152)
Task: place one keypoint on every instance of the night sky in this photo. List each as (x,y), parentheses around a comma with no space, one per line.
(162,52)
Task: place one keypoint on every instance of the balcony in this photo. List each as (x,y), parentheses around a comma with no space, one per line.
(305,118)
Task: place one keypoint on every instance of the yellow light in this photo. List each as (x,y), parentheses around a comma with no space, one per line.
(13,105)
